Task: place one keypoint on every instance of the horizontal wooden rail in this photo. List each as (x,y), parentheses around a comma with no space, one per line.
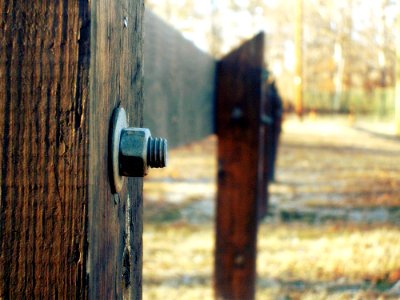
(178,85)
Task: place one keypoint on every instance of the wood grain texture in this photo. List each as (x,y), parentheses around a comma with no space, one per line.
(44,149)
(179,85)
(116,78)
(64,67)
(240,169)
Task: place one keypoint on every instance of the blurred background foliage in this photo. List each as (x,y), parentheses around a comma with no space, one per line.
(349,51)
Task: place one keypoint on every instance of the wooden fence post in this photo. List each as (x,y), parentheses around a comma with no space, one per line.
(240,169)
(64,67)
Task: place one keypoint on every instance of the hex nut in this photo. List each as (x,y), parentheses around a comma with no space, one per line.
(133,152)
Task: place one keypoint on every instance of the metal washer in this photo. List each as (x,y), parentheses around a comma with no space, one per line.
(119,122)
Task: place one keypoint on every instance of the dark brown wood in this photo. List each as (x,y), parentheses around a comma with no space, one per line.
(178,85)
(266,131)
(64,66)
(44,144)
(240,166)
(116,78)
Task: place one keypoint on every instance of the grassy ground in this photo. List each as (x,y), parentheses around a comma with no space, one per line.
(333,229)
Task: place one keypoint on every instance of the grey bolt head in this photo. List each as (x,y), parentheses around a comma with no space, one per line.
(133,152)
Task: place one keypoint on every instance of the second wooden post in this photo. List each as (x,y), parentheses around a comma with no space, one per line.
(240,169)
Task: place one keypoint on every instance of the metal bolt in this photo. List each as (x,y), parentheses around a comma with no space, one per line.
(133,150)
(138,151)
(266,120)
(237,113)
(156,152)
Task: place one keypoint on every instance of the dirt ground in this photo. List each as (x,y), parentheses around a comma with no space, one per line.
(333,226)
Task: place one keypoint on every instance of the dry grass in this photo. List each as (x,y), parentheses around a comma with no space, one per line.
(322,165)
(295,260)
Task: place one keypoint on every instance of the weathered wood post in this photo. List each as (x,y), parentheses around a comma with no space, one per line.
(240,169)
(64,67)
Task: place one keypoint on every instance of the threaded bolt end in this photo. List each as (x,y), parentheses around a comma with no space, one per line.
(157,152)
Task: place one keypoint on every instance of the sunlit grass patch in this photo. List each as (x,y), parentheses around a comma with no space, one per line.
(177,261)
(331,233)
(178,249)
(336,261)
(329,252)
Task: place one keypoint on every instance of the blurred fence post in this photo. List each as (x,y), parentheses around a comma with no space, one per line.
(241,185)
(273,116)
(180,84)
